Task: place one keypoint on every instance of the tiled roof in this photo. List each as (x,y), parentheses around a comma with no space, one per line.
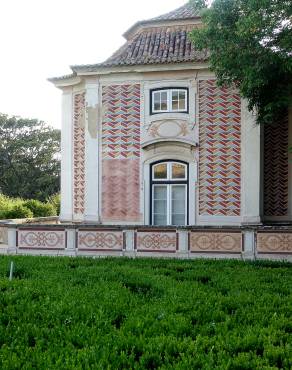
(155,46)
(186,11)
(159,40)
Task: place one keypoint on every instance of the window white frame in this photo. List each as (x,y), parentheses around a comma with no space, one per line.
(169,172)
(169,104)
(169,182)
(169,203)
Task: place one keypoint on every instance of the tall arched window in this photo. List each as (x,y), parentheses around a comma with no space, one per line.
(169,193)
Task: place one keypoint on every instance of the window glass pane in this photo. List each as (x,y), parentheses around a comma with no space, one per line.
(160,205)
(164,100)
(178,194)
(160,220)
(156,106)
(160,192)
(175,105)
(156,99)
(178,220)
(182,95)
(182,105)
(178,171)
(160,171)
(164,96)
(174,95)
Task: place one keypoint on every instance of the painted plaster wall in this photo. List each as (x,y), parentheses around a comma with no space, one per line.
(121,153)
(276,168)
(219,150)
(79,154)
(113,111)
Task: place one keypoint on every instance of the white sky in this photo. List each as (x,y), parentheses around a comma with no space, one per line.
(41,38)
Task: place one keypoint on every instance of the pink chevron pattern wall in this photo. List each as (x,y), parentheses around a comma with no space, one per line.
(79,152)
(276,168)
(120,153)
(121,190)
(121,121)
(219,152)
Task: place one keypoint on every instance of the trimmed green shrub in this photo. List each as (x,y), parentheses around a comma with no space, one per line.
(40,209)
(119,313)
(20,208)
(18,211)
(55,200)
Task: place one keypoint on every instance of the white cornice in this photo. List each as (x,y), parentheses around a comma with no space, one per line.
(100,70)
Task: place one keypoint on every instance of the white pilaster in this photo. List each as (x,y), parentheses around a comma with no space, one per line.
(250,167)
(66,213)
(91,153)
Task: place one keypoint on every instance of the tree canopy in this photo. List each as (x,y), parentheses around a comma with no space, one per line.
(29,158)
(250,45)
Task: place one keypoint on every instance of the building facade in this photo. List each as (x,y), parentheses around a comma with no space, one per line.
(148,138)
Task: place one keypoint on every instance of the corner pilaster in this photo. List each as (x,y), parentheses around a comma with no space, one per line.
(66,213)
(91,153)
(251,166)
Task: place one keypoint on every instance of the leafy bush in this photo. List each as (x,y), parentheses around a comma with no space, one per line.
(144,314)
(19,208)
(40,209)
(55,200)
(18,211)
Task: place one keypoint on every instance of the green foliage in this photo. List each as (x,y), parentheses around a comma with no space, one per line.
(250,44)
(19,208)
(18,211)
(55,200)
(65,313)
(29,158)
(40,209)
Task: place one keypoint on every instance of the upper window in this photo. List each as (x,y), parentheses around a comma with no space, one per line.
(169,100)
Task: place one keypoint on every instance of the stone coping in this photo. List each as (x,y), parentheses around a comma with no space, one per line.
(246,227)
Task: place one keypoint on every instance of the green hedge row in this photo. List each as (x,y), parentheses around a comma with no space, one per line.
(11,208)
(74,313)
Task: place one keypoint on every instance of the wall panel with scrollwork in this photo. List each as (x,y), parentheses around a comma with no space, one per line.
(273,242)
(41,239)
(226,242)
(156,241)
(100,240)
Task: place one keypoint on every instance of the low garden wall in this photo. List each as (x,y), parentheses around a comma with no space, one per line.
(248,242)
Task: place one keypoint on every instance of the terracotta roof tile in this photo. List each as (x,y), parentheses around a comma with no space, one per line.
(186,11)
(157,45)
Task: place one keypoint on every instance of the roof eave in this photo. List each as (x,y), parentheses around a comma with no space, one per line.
(100,69)
(67,80)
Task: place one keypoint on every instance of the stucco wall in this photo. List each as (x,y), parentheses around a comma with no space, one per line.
(219,150)
(120,137)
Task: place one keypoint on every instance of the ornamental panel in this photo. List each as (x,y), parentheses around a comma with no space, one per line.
(41,239)
(100,240)
(219,150)
(156,241)
(274,242)
(121,190)
(215,242)
(276,171)
(79,153)
(121,121)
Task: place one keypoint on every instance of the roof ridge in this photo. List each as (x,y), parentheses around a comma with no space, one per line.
(185,12)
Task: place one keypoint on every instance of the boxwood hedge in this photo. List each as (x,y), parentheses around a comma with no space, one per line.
(74,313)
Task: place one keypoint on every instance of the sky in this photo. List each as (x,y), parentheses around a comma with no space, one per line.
(42,38)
